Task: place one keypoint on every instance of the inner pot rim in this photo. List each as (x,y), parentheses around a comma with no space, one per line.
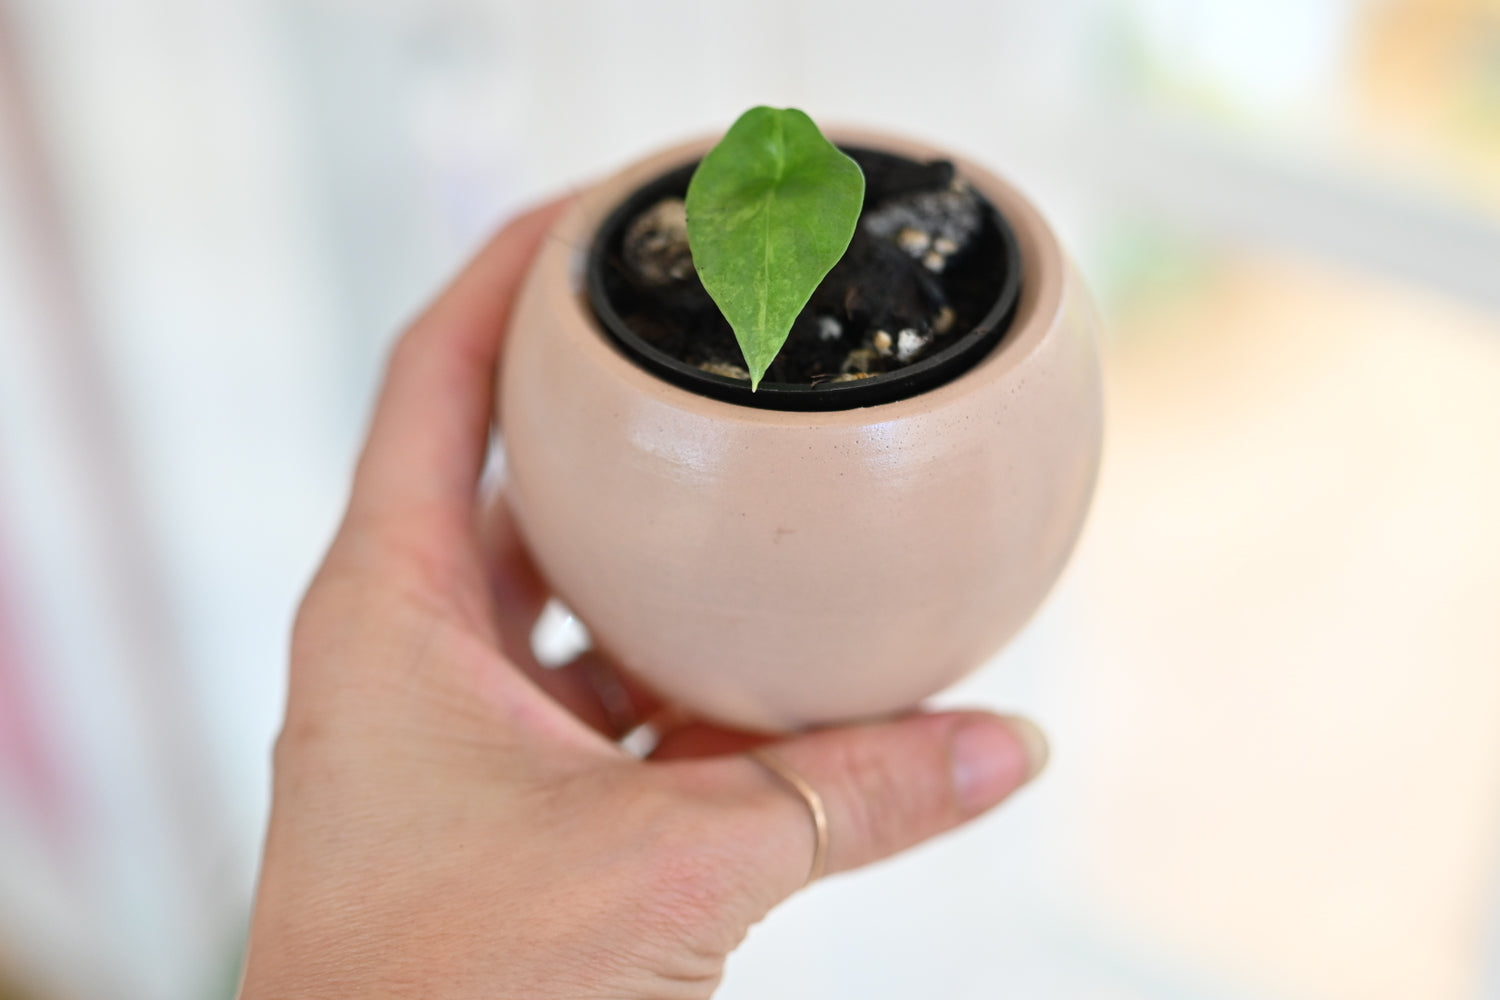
(929,373)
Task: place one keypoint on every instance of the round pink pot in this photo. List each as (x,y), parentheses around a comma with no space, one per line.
(772,570)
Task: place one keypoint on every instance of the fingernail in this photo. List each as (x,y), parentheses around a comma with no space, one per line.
(1038,750)
(986,764)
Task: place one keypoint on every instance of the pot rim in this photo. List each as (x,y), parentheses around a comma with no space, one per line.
(562,266)
(944,365)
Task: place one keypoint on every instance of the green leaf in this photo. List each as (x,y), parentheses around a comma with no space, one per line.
(770,210)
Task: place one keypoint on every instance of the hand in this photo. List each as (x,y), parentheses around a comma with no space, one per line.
(450,820)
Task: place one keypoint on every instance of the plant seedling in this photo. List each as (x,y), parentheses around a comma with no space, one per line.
(770,210)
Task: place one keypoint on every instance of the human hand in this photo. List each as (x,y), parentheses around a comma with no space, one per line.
(452,820)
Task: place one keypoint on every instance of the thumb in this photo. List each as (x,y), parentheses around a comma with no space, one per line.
(886,787)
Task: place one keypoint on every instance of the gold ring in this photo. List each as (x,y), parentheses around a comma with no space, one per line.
(810,795)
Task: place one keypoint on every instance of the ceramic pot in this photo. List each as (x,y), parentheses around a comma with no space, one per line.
(773,569)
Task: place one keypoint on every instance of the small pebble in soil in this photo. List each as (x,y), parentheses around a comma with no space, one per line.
(931,226)
(656,244)
(909,344)
(724,368)
(943,322)
(829,328)
(859,362)
(913,241)
(882,342)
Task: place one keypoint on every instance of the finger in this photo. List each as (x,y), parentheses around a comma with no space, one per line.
(889,786)
(701,739)
(427,442)
(589,686)
(516,586)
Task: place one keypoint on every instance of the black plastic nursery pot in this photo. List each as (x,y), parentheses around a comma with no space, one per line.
(985,284)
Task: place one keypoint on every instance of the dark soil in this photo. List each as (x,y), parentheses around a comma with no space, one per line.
(925,266)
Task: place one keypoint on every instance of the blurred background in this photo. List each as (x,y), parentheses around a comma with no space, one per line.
(1272,673)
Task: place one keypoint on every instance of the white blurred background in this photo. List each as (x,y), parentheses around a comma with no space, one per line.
(1272,674)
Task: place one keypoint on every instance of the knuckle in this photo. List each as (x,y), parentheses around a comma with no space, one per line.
(307,626)
(334,597)
(693,873)
(688,869)
(404,350)
(875,797)
(306,755)
(672,882)
(887,805)
(300,738)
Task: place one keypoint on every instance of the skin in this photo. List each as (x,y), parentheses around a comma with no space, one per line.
(451,820)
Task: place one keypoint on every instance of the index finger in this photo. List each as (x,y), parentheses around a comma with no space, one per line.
(426,447)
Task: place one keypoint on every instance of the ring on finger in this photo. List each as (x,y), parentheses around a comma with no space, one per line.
(810,796)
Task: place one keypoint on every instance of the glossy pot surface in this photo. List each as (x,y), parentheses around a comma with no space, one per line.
(775,569)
